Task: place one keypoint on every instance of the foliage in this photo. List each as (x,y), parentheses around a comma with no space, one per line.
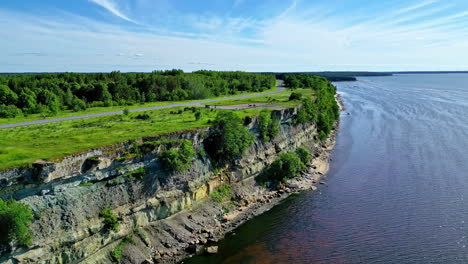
(324,111)
(55,140)
(75,91)
(126,112)
(178,158)
(117,253)
(295,96)
(143,117)
(268,126)
(111,222)
(15,218)
(222,194)
(228,138)
(286,166)
(9,111)
(139,173)
(198,115)
(304,155)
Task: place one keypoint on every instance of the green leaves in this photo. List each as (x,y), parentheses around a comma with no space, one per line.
(111,222)
(228,138)
(268,126)
(178,158)
(287,166)
(15,219)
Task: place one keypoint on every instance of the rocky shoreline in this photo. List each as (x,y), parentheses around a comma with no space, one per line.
(197,231)
(163,218)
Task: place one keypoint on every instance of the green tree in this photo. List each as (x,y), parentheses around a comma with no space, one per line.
(7,96)
(15,219)
(287,166)
(304,155)
(178,159)
(9,111)
(78,104)
(228,138)
(198,115)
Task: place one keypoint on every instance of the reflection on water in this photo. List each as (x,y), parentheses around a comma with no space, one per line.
(397,184)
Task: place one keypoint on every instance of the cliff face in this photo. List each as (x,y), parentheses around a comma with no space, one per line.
(168,213)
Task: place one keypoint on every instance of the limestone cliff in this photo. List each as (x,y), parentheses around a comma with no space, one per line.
(167,213)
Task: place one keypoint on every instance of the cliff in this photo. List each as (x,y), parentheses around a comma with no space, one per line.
(168,216)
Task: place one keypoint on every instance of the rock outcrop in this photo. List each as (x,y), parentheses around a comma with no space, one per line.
(167,214)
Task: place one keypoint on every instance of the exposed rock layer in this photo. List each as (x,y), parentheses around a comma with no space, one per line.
(168,215)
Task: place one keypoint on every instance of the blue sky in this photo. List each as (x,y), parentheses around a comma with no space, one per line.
(248,35)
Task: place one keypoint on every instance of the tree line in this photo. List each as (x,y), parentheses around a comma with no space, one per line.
(50,93)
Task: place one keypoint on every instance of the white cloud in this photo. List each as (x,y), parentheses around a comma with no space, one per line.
(292,41)
(112,7)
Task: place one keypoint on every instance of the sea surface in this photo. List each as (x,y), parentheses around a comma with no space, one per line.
(397,190)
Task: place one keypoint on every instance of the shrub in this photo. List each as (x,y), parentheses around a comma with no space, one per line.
(178,158)
(111,223)
(287,166)
(136,174)
(295,96)
(221,194)
(126,112)
(15,218)
(9,111)
(118,251)
(198,115)
(304,155)
(268,127)
(228,138)
(78,105)
(143,116)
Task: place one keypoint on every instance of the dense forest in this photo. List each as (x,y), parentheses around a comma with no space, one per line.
(336,76)
(50,93)
(324,111)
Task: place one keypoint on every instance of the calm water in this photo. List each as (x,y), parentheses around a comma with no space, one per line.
(398,186)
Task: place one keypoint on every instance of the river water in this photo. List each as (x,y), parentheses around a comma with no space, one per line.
(397,189)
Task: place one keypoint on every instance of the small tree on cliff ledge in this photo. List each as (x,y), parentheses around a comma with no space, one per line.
(228,138)
(15,219)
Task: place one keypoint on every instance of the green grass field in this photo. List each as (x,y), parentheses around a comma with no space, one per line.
(110,109)
(278,99)
(24,145)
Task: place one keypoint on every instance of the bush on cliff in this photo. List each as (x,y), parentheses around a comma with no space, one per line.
(111,222)
(178,158)
(304,155)
(15,218)
(287,166)
(228,139)
(268,126)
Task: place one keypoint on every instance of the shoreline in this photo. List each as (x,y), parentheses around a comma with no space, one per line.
(247,208)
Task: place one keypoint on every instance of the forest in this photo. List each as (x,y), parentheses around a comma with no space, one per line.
(50,93)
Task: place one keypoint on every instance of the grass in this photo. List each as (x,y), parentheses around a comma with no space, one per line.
(112,108)
(277,99)
(24,145)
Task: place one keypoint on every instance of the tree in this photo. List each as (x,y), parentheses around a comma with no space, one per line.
(15,219)
(304,155)
(7,96)
(9,111)
(78,104)
(228,138)
(198,115)
(287,166)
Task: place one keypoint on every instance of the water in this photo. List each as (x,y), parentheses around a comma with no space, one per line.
(397,189)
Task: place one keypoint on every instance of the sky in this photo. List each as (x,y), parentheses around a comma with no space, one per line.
(247,35)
